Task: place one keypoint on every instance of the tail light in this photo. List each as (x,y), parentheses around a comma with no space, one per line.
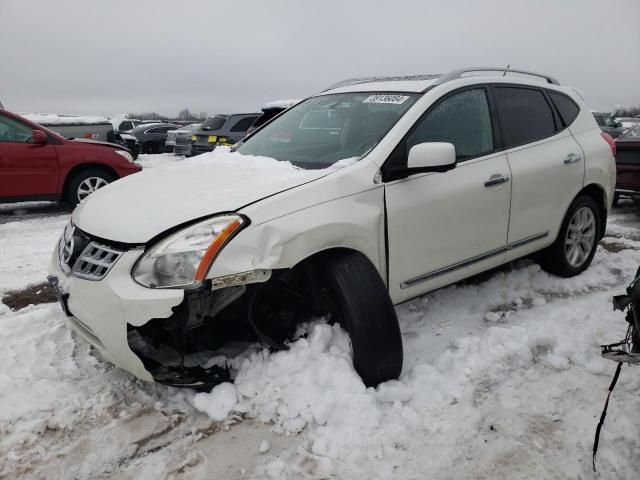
(609,139)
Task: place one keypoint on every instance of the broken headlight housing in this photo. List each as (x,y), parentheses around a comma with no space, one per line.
(184,258)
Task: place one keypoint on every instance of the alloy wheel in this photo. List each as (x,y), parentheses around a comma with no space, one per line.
(580,238)
(90,185)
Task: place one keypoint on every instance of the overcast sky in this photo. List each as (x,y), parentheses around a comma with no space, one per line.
(107,57)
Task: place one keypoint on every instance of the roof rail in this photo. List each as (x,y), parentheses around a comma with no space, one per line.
(439,79)
(382,78)
(460,73)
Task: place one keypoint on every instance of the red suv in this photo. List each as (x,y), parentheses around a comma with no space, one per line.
(38,164)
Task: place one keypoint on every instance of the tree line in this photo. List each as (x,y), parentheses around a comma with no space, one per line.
(621,111)
(185,114)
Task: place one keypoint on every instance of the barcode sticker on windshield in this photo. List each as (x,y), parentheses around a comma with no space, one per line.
(395,99)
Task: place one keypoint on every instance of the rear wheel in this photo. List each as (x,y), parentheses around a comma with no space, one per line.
(577,240)
(85,183)
(365,311)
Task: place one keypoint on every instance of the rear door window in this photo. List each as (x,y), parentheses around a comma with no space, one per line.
(525,115)
(160,130)
(566,107)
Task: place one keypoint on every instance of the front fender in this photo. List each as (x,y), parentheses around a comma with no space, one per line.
(355,222)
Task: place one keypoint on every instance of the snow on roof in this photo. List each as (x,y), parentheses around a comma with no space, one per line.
(281,103)
(63,119)
(416,85)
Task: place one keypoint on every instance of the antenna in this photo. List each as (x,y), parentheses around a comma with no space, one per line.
(505,70)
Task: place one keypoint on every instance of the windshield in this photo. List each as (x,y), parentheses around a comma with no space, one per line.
(326,129)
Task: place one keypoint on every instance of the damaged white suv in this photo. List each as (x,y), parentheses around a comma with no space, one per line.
(361,197)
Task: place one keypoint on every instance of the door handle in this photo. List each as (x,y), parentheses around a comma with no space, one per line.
(496,179)
(572,158)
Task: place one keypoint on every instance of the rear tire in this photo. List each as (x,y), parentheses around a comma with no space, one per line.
(616,200)
(150,148)
(577,240)
(365,311)
(84,183)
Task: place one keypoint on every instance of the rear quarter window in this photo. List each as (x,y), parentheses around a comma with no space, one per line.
(566,107)
(525,115)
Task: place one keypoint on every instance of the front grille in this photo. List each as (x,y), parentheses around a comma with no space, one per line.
(95,261)
(83,257)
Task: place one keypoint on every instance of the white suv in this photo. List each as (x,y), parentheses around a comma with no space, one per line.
(361,197)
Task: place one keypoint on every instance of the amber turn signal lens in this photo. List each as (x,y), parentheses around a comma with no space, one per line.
(214,248)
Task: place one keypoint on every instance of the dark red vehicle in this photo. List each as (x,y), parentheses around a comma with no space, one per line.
(628,166)
(38,164)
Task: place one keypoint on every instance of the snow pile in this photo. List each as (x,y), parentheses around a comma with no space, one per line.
(47,119)
(313,387)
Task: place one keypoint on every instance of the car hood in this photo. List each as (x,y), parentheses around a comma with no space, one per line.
(86,141)
(139,207)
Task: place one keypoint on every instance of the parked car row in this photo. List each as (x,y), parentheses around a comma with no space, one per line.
(221,129)
(615,126)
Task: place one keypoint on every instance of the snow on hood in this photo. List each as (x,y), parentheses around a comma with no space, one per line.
(140,206)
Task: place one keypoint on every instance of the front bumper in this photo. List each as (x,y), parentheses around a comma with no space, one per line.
(102,310)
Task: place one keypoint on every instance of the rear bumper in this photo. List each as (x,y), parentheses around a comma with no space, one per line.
(196,149)
(182,149)
(102,310)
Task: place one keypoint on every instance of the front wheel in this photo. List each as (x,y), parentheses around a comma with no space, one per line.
(364,309)
(85,183)
(577,240)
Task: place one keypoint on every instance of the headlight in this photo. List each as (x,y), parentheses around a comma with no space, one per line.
(125,154)
(184,258)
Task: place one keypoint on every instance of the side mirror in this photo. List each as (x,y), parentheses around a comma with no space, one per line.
(39,137)
(431,157)
(618,125)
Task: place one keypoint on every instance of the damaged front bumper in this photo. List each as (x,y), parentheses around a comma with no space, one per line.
(101,311)
(116,316)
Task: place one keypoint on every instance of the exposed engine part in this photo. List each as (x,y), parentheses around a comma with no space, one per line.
(174,349)
(204,304)
(627,350)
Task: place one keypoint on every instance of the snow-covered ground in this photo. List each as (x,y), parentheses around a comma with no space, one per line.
(502,379)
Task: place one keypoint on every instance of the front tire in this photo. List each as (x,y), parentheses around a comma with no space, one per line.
(577,241)
(85,183)
(365,311)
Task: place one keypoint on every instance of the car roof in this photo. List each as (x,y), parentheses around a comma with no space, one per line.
(421,83)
